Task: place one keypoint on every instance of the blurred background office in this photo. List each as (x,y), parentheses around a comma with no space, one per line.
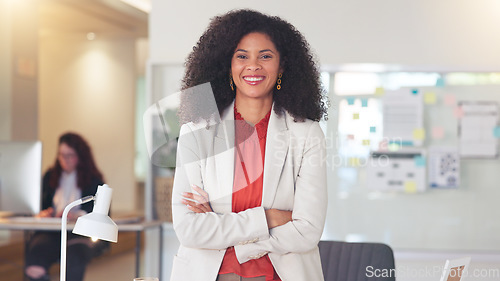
(102,63)
(75,66)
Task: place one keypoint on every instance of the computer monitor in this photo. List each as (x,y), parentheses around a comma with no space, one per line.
(20,177)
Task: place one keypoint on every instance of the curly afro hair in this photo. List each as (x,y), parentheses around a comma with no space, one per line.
(301,92)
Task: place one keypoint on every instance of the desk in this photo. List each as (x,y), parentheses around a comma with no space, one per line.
(54,224)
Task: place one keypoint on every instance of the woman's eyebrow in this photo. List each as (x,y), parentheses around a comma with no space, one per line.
(261,51)
(266,50)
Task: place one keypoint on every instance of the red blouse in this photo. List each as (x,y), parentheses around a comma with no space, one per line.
(247,191)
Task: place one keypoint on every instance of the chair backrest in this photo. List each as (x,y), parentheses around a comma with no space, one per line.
(344,261)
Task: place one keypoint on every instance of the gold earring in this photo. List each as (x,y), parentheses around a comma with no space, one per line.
(279,81)
(231,82)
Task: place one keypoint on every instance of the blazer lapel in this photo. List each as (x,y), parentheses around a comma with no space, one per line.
(277,142)
(224,160)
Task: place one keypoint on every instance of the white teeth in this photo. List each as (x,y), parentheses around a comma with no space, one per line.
(253,79)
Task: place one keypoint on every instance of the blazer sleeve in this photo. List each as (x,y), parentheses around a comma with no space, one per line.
(303,233)
(208,230)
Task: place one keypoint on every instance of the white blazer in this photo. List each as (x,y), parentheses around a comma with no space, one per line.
(294,180)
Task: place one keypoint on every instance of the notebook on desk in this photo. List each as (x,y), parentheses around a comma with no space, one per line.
(49,220)
(455,270)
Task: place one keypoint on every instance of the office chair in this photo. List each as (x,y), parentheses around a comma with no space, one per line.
(343,261)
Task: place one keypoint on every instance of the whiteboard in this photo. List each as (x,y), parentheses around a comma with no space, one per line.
(463,218)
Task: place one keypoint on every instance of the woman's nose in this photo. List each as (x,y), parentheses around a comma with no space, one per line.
(253,65)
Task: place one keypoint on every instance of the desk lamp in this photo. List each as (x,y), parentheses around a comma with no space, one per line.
(97,224)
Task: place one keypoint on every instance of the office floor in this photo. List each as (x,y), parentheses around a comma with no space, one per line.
(116,265)
(121,267)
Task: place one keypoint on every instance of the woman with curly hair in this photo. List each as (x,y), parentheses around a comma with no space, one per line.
(73,176)
(249,199)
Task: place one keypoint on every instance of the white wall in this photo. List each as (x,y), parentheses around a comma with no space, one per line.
(24,99)
(5,70)
(455,34)
(89,87)
(18,63)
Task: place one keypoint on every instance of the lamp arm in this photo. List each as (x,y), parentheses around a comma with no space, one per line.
(64,235)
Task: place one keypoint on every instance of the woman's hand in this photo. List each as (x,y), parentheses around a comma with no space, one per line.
(49,212)
(197,203)
(277,217)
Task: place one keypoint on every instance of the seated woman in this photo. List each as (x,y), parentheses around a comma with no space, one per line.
(73,176)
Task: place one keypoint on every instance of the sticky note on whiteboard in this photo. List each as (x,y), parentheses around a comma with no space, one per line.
(354,162)
(458,112)
(440,82)
(496,132)
(419,134)
(410,187)
(420,161)
(437,132)
(379,91)
(430,98)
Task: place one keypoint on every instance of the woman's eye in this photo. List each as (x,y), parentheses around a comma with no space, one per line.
(241,56)
(266,56)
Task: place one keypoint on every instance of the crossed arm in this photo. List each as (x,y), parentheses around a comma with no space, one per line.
(255,230)
(199,203)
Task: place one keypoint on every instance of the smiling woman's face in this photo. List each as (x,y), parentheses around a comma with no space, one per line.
(255,66)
